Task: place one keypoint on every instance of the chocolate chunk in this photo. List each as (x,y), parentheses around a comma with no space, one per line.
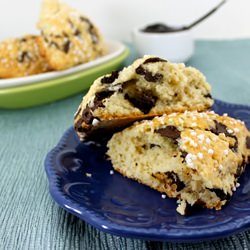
(24,56)
(219,128)
(175,180)
(87,115)
(54,44)
(248,142)
(77,33)
(78,123)
(150,146)
(66,46)
(234,147)
(222,128)
(110,79)
(170,131)
(140,70)
(82,130)
(183,155)
(154,60)
(91,29)
(98,101)
(148,76)
(208,96)
(153,78)
(144,100)
(23,40)
(196,207)
(83,19)
(220,193)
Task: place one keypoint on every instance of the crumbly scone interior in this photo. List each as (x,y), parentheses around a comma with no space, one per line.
(195,157)
(150,86)
(166,85)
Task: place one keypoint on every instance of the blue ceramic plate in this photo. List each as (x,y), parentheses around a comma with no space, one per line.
(81,183)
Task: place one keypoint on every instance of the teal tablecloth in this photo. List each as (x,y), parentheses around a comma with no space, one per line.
(30,219)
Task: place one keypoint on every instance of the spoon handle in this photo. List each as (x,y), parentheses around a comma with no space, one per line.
(205,16)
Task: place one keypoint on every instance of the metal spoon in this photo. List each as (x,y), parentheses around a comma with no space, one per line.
(190,26)
(163,28)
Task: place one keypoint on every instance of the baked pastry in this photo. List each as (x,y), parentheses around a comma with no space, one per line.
(194,157)
(150,86)
(67,37)
(21,57)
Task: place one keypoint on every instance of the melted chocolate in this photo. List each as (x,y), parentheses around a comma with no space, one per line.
(208,96)
(148,76)
(99,98)
(219,128)
(77,33)
(220,193)
(110,79)
(23,56)
(87,115)
(143,100)
(175,180)
(66,46)
(222,128)
(196,207)
(248,142)
(91,29)
(154,60)
(170,132)
(183,155)
(54,44)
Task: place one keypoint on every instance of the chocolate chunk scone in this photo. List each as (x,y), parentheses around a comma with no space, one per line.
(21,57)
(150,86)
(68,38)
(194,157)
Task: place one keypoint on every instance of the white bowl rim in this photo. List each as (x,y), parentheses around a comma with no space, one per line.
(138,30)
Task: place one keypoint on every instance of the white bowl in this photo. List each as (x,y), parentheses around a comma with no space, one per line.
(177,46)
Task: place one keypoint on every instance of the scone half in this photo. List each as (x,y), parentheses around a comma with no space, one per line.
(194,157)
(149,87)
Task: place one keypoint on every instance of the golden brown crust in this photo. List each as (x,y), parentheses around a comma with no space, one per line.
(68,38)
(195,157)
(21,57)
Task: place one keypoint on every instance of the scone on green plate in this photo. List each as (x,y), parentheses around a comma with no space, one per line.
(150,86)
(21,57)
(68,38)
(194,157)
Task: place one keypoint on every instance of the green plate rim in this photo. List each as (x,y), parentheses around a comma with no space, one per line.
(65,79)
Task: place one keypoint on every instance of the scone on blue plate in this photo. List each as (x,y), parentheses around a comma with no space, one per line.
(150,86)
(21,57)
(68,38)
(194,157)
